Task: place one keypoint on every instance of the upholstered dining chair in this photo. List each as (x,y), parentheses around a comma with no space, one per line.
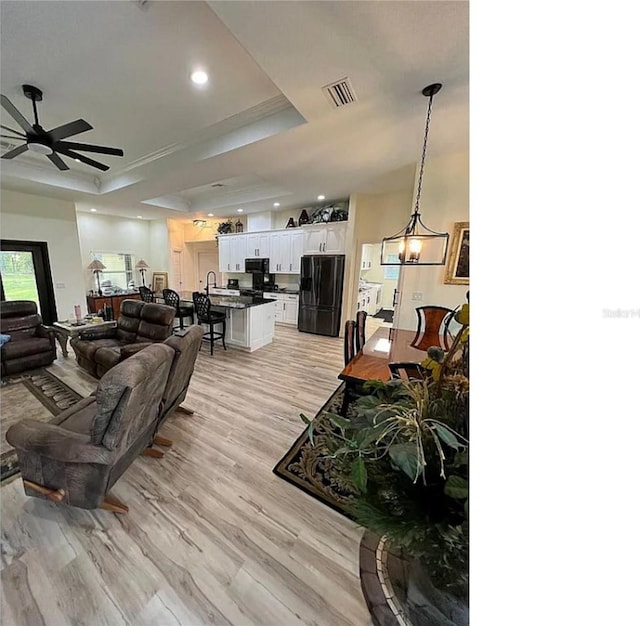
(350,348)
(146,294)
(207,316)
(172,298)
(361,321)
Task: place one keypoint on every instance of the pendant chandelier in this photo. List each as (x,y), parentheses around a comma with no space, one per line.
(416,244)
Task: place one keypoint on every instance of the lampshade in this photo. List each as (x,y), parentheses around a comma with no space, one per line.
(416,244)
(142,265)
(97,266)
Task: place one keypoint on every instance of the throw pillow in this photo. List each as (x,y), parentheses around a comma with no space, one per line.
(4,339)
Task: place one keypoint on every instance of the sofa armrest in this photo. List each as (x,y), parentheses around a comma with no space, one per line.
(47,332)
(106,332)
(56,443)
(132,348)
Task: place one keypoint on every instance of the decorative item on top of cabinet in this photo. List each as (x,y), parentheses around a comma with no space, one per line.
(291,223)
(225,227)
(304,217)
(239,227)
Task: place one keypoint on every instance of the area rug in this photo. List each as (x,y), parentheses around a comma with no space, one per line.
(36,395)
(384,314)
(307,467)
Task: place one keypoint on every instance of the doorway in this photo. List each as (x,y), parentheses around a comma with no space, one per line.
(25,274)
(378,285)
(206,262)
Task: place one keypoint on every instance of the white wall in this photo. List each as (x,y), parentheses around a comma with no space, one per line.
(107,233)
(35,218)
(445,201)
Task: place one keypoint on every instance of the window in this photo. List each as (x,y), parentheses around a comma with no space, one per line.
(119,268)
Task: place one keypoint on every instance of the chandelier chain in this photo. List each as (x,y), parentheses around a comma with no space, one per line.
(424,155)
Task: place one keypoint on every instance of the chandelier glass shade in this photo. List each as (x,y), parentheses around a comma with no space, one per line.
(417,244)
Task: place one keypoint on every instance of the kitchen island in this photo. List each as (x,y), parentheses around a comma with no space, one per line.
(250,319)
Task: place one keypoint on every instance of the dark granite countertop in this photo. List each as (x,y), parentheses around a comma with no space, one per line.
(239,302)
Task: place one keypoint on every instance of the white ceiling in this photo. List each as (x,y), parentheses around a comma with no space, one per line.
(262,126)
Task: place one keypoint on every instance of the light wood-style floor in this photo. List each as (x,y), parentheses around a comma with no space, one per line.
(212,536)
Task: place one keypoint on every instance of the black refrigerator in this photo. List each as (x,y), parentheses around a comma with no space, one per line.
(320,305)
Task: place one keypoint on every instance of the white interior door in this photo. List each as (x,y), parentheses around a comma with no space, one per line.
(177,273)
(206,262)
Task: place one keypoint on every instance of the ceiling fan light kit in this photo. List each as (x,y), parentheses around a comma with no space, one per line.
(50,143)
(417,244)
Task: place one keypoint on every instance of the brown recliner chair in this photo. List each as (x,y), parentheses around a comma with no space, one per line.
(186,345)
(32,344)
(140,324)
(78,457)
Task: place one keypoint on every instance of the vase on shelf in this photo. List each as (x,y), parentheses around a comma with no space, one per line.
(304,217)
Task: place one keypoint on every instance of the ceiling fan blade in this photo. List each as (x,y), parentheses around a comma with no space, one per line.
(15,152)
(16,115)
(17,132)
(84,159)
(66,130)
(57,161)
(13,137)
(86,147)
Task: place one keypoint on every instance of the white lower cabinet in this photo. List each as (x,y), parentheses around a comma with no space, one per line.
(286,307)
(252,328)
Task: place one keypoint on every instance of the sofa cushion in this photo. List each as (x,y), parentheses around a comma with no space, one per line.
(80,417)
(25,347)
(87,349)
(107,356)
(156,322)
(25,324)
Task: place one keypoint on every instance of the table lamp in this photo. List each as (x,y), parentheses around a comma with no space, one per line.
(96,267)
(142,266)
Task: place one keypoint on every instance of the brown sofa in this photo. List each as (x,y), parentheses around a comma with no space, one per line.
(78,457)
(32,344)
(139,325)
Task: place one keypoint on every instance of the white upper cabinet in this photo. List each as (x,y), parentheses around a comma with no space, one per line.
(232,251)
(325,238)
(367,256)
(297,244)
(285,251)
(224,254)
(257,245)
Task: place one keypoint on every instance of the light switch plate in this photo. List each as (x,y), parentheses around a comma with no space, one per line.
(416,295)
(60,286)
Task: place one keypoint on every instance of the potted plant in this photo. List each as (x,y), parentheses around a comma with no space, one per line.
(225,228)
(404,449)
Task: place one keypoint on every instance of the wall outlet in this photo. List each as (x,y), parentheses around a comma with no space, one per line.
(60,286)
(416,295)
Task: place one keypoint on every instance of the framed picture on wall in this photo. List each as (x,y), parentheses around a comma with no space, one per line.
(457,269)
(159,281)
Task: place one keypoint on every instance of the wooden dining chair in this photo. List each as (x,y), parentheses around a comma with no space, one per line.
(407,371)
(431,325)
(349,341)
(361,321)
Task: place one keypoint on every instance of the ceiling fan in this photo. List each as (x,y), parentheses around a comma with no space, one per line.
(50,142)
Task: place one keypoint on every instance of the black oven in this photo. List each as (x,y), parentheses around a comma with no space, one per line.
(256,266)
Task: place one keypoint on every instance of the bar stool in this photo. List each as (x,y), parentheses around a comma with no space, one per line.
(209,317)
(172,298)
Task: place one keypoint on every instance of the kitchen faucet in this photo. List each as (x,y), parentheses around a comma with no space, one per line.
(214,281)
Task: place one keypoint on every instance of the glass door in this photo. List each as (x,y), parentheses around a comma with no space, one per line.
(25,274)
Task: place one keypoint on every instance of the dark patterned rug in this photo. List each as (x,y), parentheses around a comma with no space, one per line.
(308,468)
(37,395)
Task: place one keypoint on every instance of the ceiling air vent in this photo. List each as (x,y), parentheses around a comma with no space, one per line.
(340,93)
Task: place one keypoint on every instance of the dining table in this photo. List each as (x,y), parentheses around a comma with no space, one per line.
(386,345)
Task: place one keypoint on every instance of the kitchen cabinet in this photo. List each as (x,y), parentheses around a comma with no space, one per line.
(98,303)
(325,238)
(286,307)
(257,245)
(285,250)
(232,251)
(369,299)
(367,256)
(251,328)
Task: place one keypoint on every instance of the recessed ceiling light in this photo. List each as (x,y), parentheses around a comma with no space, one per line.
(320,197)
(276,204)
(93,210)
(199,77)
(240,210)
(139,217)
(209,214)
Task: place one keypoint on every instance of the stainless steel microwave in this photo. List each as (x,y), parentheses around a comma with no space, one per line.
(256,266)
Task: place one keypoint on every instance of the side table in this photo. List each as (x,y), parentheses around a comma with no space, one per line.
(65,330)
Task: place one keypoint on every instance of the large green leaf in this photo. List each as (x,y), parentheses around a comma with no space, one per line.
(456,487)
(405,458)
(309,424)
(448,437)
(338,420)
(359,474)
